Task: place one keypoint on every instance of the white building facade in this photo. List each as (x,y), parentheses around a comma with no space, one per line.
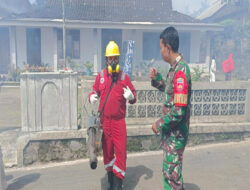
(32,43)
(36,37)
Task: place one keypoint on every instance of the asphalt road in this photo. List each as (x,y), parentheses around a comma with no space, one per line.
(209,167)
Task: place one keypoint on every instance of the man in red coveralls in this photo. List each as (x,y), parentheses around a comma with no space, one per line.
(228,66)
(113,87)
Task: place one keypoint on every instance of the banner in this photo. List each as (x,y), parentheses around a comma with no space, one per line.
(127,52)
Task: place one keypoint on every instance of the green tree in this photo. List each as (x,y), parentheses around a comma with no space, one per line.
(196,74)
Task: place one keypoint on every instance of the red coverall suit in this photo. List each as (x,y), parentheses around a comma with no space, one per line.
(114,138)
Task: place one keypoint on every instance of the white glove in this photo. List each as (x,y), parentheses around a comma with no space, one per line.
(128,95)
(93,98)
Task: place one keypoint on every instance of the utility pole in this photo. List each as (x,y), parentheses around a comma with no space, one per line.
(64,35)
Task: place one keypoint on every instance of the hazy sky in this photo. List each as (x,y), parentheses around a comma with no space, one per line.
(32,1)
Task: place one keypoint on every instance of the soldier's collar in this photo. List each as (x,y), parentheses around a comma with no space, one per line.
(177,60)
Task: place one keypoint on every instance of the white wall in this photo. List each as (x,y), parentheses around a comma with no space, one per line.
(47,46)
(55,57)
(208,53)
(128,35)
(90,46)
(12,39)
(21,46)
(98,50)
(195,47)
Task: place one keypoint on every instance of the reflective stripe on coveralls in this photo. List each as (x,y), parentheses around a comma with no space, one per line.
(110,164)
(119,170)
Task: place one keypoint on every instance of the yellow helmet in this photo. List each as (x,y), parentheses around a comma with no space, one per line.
(112,49)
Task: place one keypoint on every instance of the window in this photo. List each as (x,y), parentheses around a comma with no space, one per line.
(184,47)
(59,44)
(4,50)
(151,46)
(72,43)
(33,40)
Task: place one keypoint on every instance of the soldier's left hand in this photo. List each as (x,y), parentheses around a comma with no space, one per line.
(154,128)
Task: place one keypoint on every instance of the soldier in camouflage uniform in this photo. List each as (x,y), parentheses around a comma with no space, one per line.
(174,123)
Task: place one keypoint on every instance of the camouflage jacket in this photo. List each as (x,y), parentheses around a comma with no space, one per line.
(174,122)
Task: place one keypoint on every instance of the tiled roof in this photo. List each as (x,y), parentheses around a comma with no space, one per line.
(215,7)
(223,10)
(227,12)
(111,10)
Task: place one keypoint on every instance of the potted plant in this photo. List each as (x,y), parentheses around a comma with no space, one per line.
(74,66)
(89,67)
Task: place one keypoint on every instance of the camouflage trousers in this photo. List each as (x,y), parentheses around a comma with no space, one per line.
(172,166)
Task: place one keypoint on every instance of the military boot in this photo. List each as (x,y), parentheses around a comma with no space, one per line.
(110,180)
(117,183)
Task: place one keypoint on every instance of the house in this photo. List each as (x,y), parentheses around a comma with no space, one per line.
(234,15)
(226,9)
(36,36)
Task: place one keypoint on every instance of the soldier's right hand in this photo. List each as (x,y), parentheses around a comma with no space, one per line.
(93,98)
(152,73)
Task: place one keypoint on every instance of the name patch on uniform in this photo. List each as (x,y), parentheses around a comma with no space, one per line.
(102,80)
(180,99)
(180,84)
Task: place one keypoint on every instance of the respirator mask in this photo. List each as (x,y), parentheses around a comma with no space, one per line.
(113,70)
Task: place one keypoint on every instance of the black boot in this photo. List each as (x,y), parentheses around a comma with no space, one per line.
(110,180)
(117,183)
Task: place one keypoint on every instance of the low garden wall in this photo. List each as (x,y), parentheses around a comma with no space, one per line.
(220,102)
(220,112)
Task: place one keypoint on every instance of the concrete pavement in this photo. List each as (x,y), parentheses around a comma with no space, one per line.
(206,167)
